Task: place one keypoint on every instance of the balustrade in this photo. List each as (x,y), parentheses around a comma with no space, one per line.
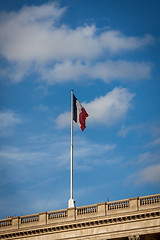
(133,204)
(118,205)
(150,200)
(87,210)
(29,219)
(54,215)
(5,223)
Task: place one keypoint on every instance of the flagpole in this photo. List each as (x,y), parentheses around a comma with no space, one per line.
(71,202)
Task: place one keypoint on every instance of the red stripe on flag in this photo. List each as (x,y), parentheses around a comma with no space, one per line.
(82,118)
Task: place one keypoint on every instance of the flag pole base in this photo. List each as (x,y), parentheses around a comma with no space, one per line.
(71,203)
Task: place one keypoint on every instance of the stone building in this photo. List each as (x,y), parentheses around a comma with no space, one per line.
(130,219)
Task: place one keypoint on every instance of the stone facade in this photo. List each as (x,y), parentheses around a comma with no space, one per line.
(129,219)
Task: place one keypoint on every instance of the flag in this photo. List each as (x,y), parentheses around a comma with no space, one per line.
(79,113)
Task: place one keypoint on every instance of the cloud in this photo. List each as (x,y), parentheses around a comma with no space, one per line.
(25,34)
(149,162)
(63,120)
(41,108)
(148,157)
(15,71)
(125,130)
(89,154)
(152,128)
(116,41)
(121,70)
(107,71)
(106,110)
(32,33)
(8,119)
(44,153)
(149,174)
(17,154)
(155,128)
(145,130)
(154,143)
(34,37)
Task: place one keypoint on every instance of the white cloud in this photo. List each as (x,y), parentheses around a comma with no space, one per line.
(65,71)
(151,129)
(8,119)
(155,128)
(46,150)
(125,130)
(148,157)
(24,35)
(17,154)
(107,71)
(31,38)
(121,70)
(89,154)
(105,110)
(41,107)
(149,175)
(32,34)
(154,143)
(115,41)
(63,120)
(15,71)
(112,107)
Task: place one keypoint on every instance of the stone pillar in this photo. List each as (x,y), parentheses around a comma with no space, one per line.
(134,237)
(43,218)
(133,204)
(15,222)
(71,214)
(101,209)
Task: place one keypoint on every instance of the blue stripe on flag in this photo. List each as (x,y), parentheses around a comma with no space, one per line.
(74,109)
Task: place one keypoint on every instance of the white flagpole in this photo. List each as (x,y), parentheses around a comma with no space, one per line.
(71,202)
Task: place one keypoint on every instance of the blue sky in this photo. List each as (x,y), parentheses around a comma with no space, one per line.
(108,53)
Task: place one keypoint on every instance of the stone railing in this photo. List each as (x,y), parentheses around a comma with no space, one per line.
(72,214)
(118,205)
(149,200)
(29,219)
(87,210)
(58,214)
(5,223)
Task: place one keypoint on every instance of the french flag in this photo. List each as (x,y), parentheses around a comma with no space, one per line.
(79,113)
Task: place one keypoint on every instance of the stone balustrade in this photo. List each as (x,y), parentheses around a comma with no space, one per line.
(29,219)
(96,210)
(5,223)
(57,214)
(117,205)
(87,210)
(149,200)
